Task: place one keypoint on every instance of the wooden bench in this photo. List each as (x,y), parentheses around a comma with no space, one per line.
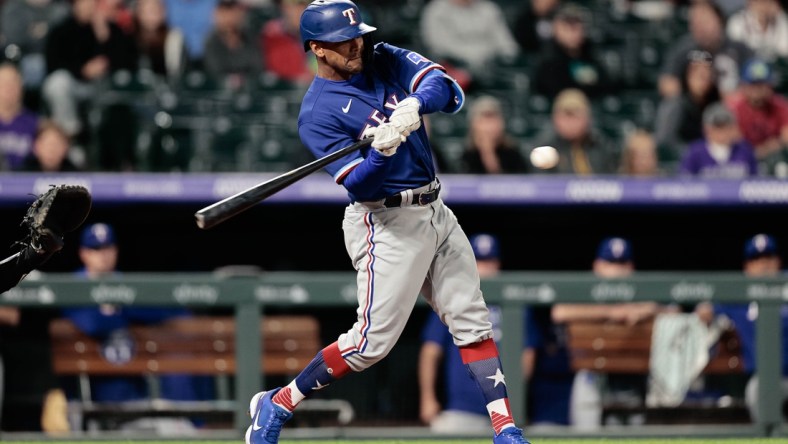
(199,345)
(614,348)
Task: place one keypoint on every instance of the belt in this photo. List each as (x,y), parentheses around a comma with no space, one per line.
(412,198)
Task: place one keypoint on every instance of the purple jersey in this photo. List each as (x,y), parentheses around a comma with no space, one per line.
(741,163)
(334,114)
(16,138)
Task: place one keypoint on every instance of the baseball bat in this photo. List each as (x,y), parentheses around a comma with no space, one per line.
(219,212)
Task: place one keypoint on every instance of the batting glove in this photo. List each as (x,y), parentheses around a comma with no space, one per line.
(386,138)
(406,116)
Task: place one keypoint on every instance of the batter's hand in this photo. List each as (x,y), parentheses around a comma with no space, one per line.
(406,116)
(386,138)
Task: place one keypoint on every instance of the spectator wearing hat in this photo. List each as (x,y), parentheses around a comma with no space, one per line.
(489,149)
(722,153)
(763,26)
(706,33)
(109,324)
(761,113)
(462,409)
(761,258)
(582,149)
(568,60)
(680,118)
(280,45)
(231,52)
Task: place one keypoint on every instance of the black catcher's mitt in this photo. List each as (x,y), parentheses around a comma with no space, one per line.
(60,210)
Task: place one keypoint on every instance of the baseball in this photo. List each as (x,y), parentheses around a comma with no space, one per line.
(544,157)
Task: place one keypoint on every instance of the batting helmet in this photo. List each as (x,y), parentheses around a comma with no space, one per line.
(332,21)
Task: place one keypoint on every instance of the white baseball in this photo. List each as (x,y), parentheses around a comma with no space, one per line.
(544,157)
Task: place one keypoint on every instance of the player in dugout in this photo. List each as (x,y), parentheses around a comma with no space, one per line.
(400,236)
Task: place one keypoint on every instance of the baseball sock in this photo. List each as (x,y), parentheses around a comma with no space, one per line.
(484,365)
(326,367)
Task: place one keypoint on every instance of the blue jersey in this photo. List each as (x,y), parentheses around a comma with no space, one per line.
(334,114)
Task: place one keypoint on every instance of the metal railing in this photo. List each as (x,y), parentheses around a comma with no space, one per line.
(512,291)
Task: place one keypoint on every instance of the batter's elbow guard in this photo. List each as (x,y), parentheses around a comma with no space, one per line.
(458,96)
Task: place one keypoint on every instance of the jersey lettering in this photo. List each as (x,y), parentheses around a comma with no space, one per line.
(351,15)
(392,102)
(378,117)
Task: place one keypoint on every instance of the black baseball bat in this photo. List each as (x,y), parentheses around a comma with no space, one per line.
(219,212)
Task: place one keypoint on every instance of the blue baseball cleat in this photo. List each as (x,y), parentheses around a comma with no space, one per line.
(267,419)
(510,435)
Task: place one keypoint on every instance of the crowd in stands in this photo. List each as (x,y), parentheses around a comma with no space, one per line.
(214,85)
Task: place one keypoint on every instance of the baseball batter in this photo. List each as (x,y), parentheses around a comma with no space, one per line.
(400,236)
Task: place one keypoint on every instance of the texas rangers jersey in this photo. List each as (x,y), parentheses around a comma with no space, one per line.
(334,114)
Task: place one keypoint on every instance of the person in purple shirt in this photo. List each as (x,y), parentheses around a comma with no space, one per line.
(17,124)
(722,153)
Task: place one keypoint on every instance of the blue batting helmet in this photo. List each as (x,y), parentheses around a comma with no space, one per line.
(332,21)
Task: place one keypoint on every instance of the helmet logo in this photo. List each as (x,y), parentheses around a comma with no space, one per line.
(350,13)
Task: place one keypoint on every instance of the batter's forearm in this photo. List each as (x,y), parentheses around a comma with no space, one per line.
(366,179)
(434,92)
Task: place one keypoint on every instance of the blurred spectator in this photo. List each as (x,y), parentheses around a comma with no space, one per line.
(707,33)
(109,324)
(116,11)
(194,18)
(231,52)
(17,124)
(582,148)
(462,410)
(489,148)
(161,48)
(534,25)
(679,118)
(568,60)
(50,150)
(722,153)
(24,25)
(639,157)
(470,33)
(763,26)
(762,114)
(761,259)
(80,51)
(280,44)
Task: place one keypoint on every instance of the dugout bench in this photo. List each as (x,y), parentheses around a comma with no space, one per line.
(199,345)
(613,348)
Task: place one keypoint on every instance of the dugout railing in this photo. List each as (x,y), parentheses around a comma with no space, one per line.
(511,290)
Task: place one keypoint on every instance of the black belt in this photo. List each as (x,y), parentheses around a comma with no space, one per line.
(424,198)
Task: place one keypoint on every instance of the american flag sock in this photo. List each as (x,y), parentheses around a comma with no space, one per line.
(326,367)
(484,366)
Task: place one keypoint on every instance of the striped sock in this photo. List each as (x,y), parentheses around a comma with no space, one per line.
(484,365)
(326,367)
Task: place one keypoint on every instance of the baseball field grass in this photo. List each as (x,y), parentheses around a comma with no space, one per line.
(459,441)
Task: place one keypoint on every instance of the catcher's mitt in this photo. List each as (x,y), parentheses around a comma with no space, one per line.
(60,210)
